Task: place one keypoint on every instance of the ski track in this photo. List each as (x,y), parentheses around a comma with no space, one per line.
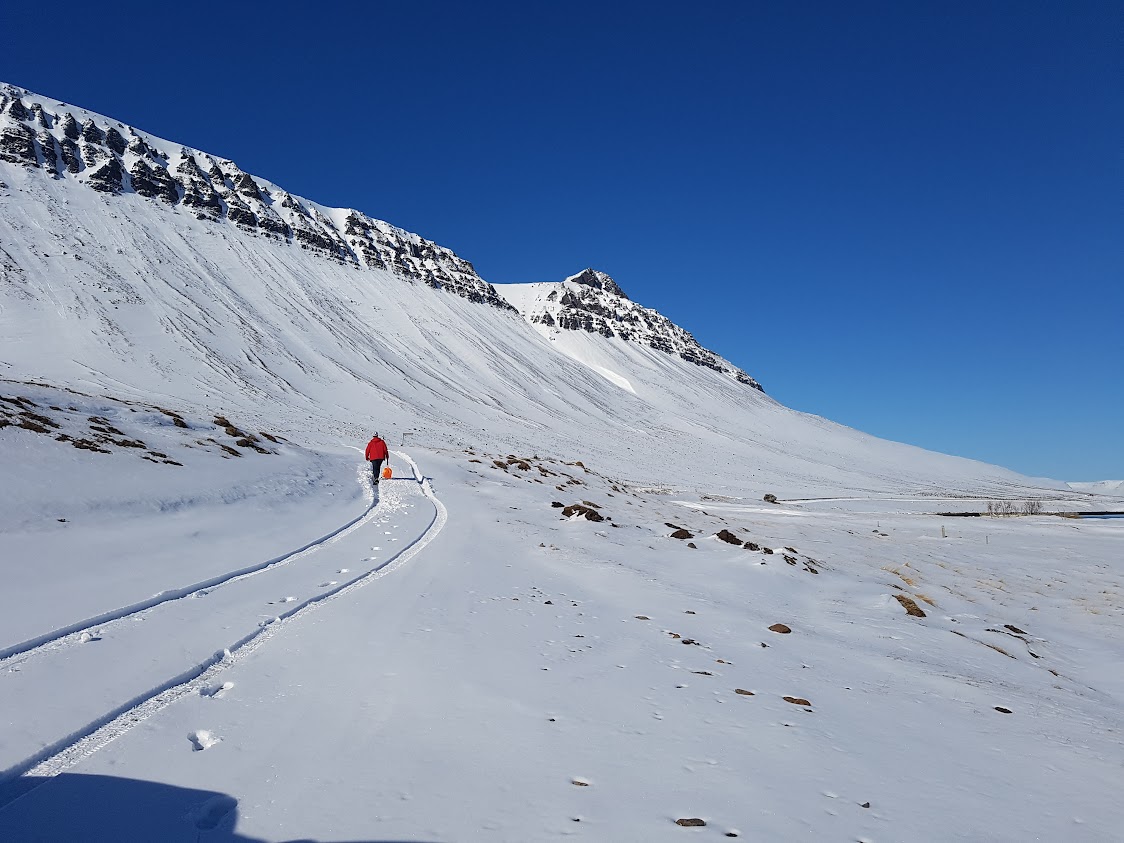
(69,634)
(65,753)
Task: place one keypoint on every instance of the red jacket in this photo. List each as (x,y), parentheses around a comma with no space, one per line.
(376,449)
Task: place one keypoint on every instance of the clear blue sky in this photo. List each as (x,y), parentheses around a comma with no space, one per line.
(905,216)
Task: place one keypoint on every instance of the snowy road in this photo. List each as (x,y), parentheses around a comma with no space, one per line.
(139,659)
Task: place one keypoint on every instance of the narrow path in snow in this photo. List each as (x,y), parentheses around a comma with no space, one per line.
(122,672)
(71,633)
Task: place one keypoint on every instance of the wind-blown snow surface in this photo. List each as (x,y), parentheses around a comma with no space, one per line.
(212,629)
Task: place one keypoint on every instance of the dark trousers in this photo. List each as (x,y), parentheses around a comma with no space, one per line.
(376,470)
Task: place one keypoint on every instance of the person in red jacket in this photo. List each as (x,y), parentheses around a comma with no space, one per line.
(376,453)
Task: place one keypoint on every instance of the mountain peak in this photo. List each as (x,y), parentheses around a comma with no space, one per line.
(593,303)
(599,281)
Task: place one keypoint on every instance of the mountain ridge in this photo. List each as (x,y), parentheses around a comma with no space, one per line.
(112,158)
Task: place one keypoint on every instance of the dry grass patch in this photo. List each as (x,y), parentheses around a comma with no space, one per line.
(911,607)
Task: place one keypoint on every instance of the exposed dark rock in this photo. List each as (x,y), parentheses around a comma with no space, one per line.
(240,214)
(49,152)
(752,546)
(70,127)
(17,145)
(599,281)
(276,226)
(70,155)
(682,534)
(91,133)
(689,822)
(726,536)
(247,187)
(797,701)
(40,116)
(770,498)
(114,141)
(154,182)
(783,629)
(108,177)
(198,194)
(586,512)
(17,110)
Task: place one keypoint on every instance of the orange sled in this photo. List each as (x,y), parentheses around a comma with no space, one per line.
(387,473)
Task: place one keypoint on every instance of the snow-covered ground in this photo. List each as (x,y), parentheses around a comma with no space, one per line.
(212,627)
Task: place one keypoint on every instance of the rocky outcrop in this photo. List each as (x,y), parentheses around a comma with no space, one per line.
(154,182)
(91,133)
(48,147)
(17,144)
(70,127)
(115,142)
(593,302)
(109,177)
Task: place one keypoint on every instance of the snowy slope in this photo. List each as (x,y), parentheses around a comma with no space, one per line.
(212,627)
(159,300)
(1112,488)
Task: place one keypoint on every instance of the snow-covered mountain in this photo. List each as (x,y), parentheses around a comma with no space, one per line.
(1113,488)
(111,158)
(613,591)
(593,302)
(132,264)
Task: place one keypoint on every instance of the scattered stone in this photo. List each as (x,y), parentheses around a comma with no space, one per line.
(690,822)
(557,504)
(682,534)
(783,629)
(865,805)
(911,608)
(691,641)
(688,612)
(744,692)
(579,782)
(692,545)
(796,701)
(770,498)
(767,550)
(1015,629)
(729,537)
(584,511)
(1002,710)
(642,618)
(752,546)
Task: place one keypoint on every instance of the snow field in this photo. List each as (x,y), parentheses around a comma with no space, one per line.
(532,676)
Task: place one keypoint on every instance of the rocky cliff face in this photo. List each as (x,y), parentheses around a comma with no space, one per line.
(114,159)
(591,301)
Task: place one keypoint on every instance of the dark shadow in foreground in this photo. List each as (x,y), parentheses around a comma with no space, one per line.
(105,809)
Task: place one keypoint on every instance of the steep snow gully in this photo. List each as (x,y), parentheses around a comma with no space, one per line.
(138,646)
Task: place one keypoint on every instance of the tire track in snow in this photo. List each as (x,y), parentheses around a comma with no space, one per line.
(64,754)
(58,637)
